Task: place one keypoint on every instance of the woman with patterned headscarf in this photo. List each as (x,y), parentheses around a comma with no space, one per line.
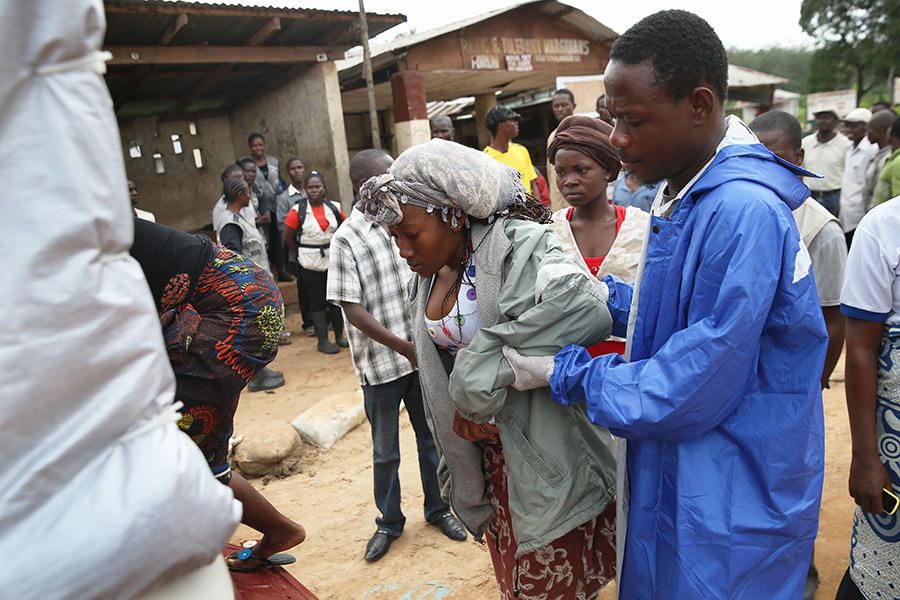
(535,479)
(604,239)
(221,317)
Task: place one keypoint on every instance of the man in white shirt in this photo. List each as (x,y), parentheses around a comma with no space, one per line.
(824,153)
(133,195)
(286,200)
(856,162)
(563,105)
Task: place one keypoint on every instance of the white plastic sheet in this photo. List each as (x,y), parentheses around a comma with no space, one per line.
(100,496)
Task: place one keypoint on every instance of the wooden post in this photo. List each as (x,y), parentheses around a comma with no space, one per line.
(483,103)
(367,71)
(410,112)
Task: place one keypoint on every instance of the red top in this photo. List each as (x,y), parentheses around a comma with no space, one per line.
(319,213)
(593,263)
(292,219)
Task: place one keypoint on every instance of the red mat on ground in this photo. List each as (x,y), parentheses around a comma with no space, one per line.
(266,584)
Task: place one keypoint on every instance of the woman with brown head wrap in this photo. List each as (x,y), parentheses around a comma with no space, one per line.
(603,238)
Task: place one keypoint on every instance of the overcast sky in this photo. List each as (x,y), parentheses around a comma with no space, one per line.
(756,24)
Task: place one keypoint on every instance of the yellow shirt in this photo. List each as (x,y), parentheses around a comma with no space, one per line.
(518,158)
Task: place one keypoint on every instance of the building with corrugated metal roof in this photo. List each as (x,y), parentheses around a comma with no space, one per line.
(190,81)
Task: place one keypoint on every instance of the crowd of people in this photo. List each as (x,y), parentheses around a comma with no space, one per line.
(628,386)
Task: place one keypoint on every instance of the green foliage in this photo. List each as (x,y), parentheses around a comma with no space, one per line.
(790,63)
(857,42)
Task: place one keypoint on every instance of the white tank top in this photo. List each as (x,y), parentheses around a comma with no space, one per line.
(456,330)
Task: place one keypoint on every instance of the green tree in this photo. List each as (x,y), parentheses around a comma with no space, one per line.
(790,63)
(856,39)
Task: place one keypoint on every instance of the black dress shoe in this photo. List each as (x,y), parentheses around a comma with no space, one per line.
(378,546)
(451,527)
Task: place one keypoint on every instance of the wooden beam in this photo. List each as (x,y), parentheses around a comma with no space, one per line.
(271,26)
(174,29)
(184,55)
(111,6)
(118,77)
(137,77)
(265,32)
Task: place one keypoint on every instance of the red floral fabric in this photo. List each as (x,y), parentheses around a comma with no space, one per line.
(575,566)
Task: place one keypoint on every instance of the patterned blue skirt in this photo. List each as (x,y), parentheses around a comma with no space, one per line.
(217,340)
(875,542)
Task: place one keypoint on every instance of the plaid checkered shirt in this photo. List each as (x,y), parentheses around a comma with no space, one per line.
(365,268)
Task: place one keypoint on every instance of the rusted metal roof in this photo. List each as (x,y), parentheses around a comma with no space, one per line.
(182,57)
(448,108)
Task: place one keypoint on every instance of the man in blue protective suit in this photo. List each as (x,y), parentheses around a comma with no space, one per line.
(718,400)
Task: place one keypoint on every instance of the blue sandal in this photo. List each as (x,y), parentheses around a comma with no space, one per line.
(243,561)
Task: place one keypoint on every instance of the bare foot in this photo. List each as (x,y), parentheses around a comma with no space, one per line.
(284,538)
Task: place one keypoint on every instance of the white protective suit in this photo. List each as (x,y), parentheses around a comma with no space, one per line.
(101,496)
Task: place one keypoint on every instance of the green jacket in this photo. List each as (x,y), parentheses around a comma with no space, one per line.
(561,467)
(888,184)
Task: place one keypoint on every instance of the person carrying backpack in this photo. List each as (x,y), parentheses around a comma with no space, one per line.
(308,228)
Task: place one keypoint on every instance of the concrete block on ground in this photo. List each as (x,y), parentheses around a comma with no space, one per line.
(330,419)
(268,448)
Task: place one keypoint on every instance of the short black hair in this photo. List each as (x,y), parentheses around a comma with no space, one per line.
(784,123)
(883,119)
(253,136)
(434,121)
(246,160)
(498,114)
(565,92)
(287,165)
(683,49)
(368,163)
(230,169)
(895,128)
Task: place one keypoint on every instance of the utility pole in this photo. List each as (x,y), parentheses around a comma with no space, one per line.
(367,73)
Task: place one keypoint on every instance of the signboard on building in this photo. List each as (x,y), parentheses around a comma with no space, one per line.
(839,101)
(481,62)
(521,54)
(518,62)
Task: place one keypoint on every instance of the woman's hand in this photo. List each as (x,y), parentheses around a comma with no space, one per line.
(472,431)
(868,478)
